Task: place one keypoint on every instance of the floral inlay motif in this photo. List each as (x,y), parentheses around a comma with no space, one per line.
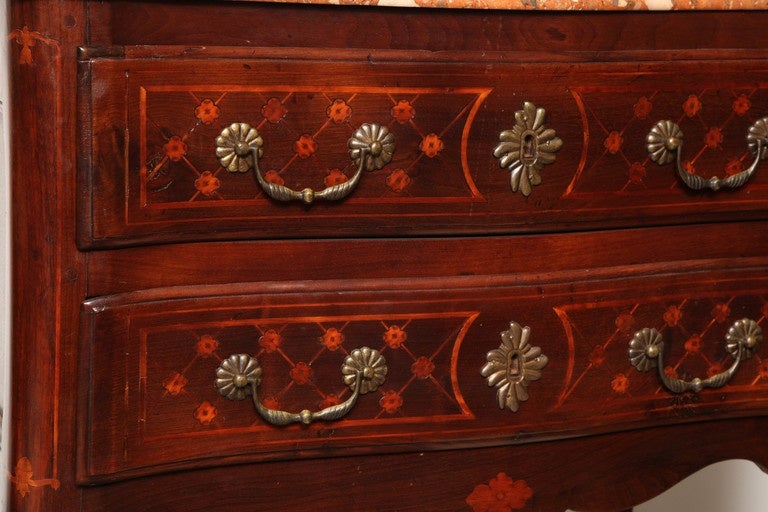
(620,383)
(206,345)
(625,322)
(272,176)
(207,112)
(305,146)
(205,413)
(692,106)
(513,366)
(637,172)
(403,111)
(398,180)
(274,110)
(339,111)
(741,105)
(329,401)
(734,166)
(501,494)
(28,39)
(527,148)
(597,356)
(335,177)
(394,336)
(613,142)
(642,108)
(693,344)
(207,184)
(270,340)
(422,368)
(301,373)
(713,138)
(175,383)
(721,312)
(175,148)
(672,316)
(431,145)
(391,401)
(332,339)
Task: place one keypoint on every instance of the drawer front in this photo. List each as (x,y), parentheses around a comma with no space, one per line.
(149,366)
(149,169)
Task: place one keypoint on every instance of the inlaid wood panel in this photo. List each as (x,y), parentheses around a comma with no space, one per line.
(150,172)
(151,366)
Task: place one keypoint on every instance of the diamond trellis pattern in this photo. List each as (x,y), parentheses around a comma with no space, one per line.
(694,333)
(305,136)
(714,122)
(301,361)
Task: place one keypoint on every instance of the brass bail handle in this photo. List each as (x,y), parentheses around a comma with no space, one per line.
(664,143)
(239,148)
(363,371)
(646,351)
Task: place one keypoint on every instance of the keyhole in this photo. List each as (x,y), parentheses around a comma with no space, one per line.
(529,148)
(514,368)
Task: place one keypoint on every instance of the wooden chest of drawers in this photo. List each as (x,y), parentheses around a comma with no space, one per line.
(494,240)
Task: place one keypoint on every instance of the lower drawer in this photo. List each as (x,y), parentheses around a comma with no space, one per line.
(150,403)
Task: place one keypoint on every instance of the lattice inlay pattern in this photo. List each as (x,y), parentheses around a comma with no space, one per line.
(616,158)
(694,333)
(305,134)
(301,360)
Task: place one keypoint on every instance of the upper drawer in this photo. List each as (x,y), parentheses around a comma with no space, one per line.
(149,169)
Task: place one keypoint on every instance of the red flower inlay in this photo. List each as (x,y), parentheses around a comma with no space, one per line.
(206,345)
(713,138)
(270,341)
(597,356)
(693,345)
(273,177)
(207,184)
(332,339)
(637,172)
(620,383)
(271,402)
(398,180)
(741,105)
(613,142)
(625,322)
(689,167)
(335,177)
(273,111)
(339,111)
(692,105)
(733,167)
(175,383)
(329,401)
(301,373)
(670,372)
(422,368)
(206,413)
(721,312)
(394,336)
(391,401)
(714,369)
(642,108)
(403,111)
(207,112)
(501,494)
(763,370)
(305,146)
(672,316)
(431,145)
(175,148)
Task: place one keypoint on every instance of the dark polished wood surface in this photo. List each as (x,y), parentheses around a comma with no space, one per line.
(124,303)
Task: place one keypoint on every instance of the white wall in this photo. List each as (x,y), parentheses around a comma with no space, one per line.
(5,316)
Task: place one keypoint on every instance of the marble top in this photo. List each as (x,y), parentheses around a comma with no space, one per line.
(559,5)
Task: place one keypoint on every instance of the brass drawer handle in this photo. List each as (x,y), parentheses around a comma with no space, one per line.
(665,142)
(646,351)
(527,148)
(363,371)
(239,147)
